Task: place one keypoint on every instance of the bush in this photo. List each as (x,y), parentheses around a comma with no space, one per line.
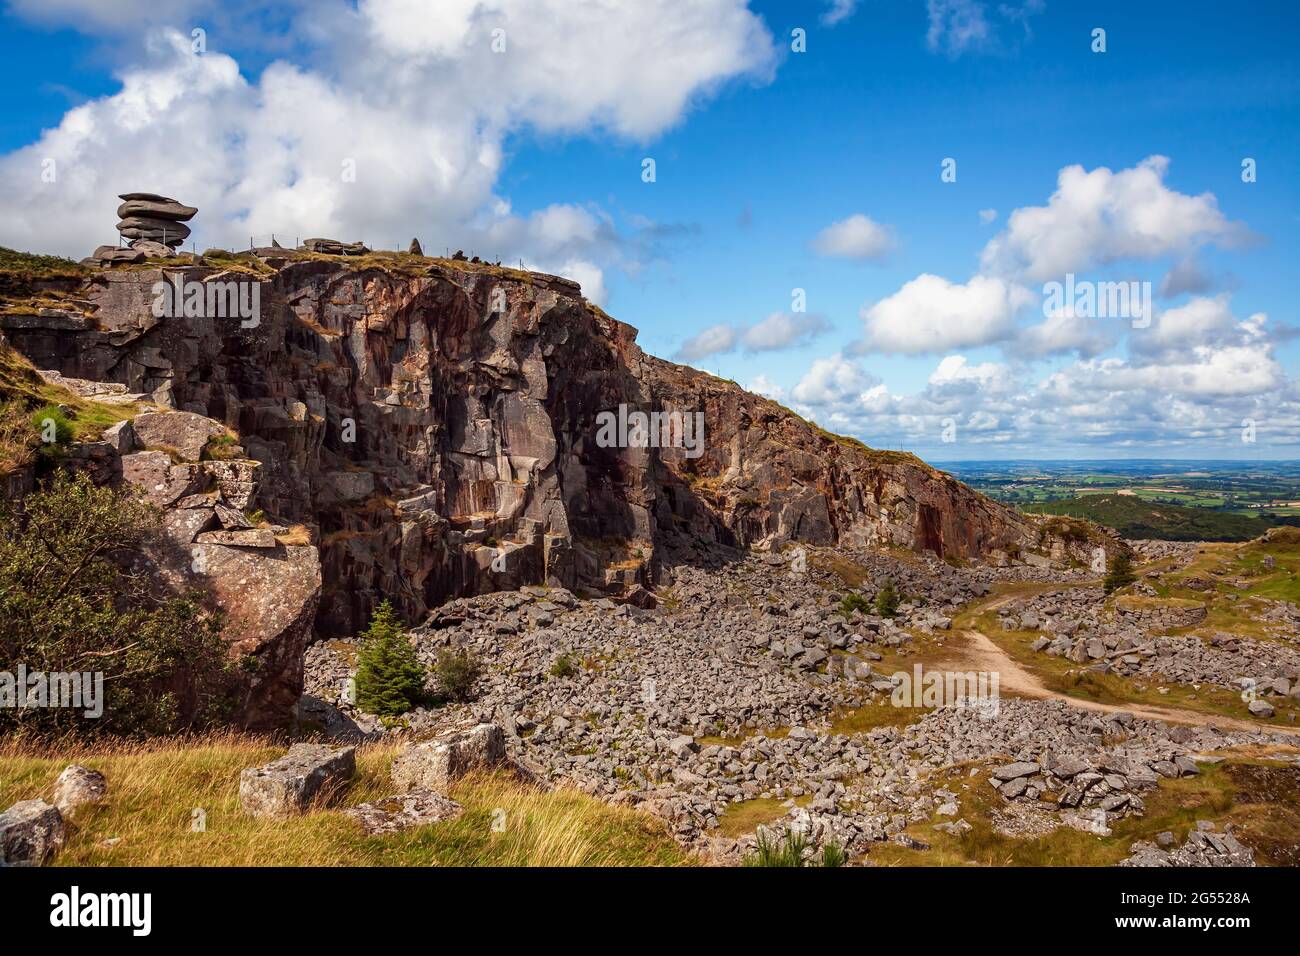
(566,665)
(390,680)
(69,604)
(52,425)
(887,600)
(834,855)
(18,438)
(854,602)
(788,851)
(1119,572)
(457,671)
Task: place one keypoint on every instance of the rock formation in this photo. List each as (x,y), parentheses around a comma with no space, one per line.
(153,225)
(435,429)
(333,247)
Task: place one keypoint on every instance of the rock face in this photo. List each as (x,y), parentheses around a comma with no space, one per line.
(307,774)
(30,833)
(437,428)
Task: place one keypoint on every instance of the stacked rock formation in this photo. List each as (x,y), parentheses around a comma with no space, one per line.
(153,224)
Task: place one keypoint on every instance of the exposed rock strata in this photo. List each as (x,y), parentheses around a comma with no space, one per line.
(433,426)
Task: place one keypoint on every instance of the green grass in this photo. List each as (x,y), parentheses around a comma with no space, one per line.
(746,816)
(1176,805)
(155,787)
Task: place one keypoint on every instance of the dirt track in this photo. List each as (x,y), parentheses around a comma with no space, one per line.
(980,653)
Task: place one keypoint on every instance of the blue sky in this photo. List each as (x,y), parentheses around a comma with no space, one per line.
(924,319)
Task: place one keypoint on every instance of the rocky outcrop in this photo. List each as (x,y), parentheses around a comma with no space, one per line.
(436,429)
(153,225)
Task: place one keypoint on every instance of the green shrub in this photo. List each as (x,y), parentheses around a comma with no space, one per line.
(834,855)
(1119,572)
(566,665)
(854,602)
(457,672)
(52,425)
(390,680)
(68,605)
(788,851)
(887,600)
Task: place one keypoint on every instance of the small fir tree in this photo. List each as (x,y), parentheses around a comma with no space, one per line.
(390,680)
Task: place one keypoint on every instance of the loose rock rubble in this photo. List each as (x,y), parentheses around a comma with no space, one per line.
(1204,847)
(1076,626)
(727,692)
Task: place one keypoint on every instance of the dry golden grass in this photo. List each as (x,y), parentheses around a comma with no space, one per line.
(297,534)
(155,788)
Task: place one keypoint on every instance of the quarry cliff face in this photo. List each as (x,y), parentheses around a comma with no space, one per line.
(436,426)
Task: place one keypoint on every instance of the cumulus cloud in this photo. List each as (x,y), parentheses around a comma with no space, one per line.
(954,370)
(394,129)
(783,330)
(931,314)
(780,330)
(1186,276)
(1187,386)
(857,237)
(762,385)
(1102,216)
(1063,332)
(833,380)
(714,340)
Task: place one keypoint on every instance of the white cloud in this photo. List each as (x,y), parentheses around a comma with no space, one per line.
(833,380)
(955,370)
(409,94)
(1102,216)
(1186,276)
(931,314)
(960,26)
(987,216)
(838,11)
(1200,321)
(712,341)
(956,25)
(782,330)
(779,330)
(762,385)
(1062,332)
(857,237)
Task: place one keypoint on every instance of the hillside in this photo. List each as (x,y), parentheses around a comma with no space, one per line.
(1136,518)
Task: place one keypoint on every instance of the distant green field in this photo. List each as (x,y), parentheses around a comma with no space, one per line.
(1134,517)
